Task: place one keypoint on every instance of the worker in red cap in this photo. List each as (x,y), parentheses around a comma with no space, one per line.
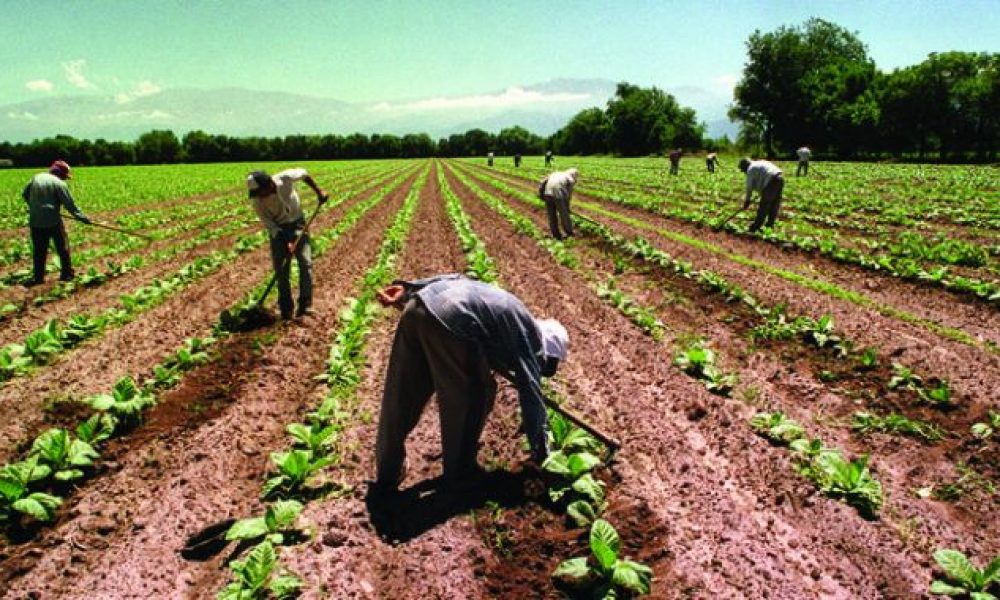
(45,194)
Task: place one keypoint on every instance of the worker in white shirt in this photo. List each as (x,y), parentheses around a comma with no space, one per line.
(804,153)
(766,179)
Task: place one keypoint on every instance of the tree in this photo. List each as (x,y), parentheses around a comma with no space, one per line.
(646,121)
(586,133)
(159,146)
(793,76)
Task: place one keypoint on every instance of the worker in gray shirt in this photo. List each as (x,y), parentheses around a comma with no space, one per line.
(763,177)
(556,190)
(45,194)
(278,206)
(453,333)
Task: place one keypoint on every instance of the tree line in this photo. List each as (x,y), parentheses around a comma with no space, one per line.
(816,85)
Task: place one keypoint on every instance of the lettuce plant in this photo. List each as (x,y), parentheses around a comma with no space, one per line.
(259,576)
(776,427)
(97,428)
(15,497)
(63,454)
(125,402)
(295,469)
(603,572)
(965,579)
(277,523)
(315,437)
(986,430)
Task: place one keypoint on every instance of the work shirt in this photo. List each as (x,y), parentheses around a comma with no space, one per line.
(502,326)
(759,174)
(283,207)
(559,185)
(804,154)
(45,195)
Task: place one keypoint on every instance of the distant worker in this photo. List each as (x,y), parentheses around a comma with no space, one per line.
(556,190)
(489,159)
(763,177)
(803,168)
(711,161)
(453,334)
(675,161)
(517,160)
(45,194)
(278,206)
(548,158)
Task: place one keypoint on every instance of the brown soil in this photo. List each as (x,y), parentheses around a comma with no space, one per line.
(124,528)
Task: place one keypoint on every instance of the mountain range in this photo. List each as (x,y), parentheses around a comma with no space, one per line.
(541,108)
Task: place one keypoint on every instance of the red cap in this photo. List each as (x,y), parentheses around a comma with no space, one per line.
(60,168)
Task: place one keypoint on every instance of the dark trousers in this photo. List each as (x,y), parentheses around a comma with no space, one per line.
(427,358)
(557,208)
(770,202)
(710,165)
(40,238)
(675,168)
(802,169)
(283,267)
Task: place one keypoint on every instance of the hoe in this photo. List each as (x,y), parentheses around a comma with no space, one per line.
(719,226)
(118,229)
(256,315)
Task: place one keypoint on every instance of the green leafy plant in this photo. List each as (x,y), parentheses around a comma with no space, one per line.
(962,578)
(850,480)
(43,344)
(12,361)
(939,395)
(603,572)
(63,454)
(865,422)
(986,430)
(277,523)
(699,362)
(315,437)
(868,359)
(295,470)
(777,427)
(259,576)
(125,402)
(17,500)
(97,428)
(904,378)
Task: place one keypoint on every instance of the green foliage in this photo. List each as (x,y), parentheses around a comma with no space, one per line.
(984,431)
(125,402)
(277,523)
(259,577)
(962,578)
(603,573)
(574,454)
(295,471)
(864,422)
(16,499)
(777,427)
(643,121)
(699,362)
(62,454)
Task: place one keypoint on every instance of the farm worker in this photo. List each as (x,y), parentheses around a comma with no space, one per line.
(556,190)
(517,159)
(453,333)
(279,209)
(548,158)
(489,159)
(803,168)
(45,194)
(675,161)
(711,161)
(765,178)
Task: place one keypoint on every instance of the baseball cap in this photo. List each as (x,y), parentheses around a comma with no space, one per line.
(256,181)
(555,339)
(61,168)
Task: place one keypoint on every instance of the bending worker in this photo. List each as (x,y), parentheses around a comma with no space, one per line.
(804,154)
(711,161)
(764,177)
(45,194)
(278,206)
(453,332)
(556,190)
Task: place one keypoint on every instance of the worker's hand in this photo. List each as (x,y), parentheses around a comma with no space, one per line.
(322,196)
(391,296)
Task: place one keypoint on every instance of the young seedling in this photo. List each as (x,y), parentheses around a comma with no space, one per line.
(603,572)
(295,470)
(864,422)
(962,578)
(64,455)
(17,500)
(985,431)
(777,427)
(277,524)
(259,576)
(125,402)
(314,437)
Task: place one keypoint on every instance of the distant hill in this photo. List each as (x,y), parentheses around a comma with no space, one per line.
(542,108)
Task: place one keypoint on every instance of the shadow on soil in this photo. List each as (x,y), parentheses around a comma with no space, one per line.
(407,514)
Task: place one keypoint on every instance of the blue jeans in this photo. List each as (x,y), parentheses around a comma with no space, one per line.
(283,267)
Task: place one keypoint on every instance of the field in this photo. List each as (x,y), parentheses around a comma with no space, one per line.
(808,412)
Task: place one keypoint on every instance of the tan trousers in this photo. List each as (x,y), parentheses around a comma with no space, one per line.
(427,358)
(770,202)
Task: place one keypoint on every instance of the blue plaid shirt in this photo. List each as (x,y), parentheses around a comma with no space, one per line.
(503,327)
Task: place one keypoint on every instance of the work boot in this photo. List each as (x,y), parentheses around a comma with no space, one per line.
(32,282)
(66,277)
(304,311)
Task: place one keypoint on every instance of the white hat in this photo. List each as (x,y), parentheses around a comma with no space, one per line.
(555,339)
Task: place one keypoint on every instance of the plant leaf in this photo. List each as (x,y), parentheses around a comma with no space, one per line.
(633,576)
(247,529)
(957,566)
(285,586)
(39,506)
(572,570)
(582,512)
(604,543)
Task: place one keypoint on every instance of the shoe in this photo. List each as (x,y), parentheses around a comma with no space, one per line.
(286,316)
(31,283)
(304,312)
(66,277)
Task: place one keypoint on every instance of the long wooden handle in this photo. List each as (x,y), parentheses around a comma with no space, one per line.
(575,419)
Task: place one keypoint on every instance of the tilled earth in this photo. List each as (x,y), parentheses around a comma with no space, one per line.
(714,509)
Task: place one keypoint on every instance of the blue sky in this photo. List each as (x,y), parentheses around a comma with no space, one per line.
(392,50)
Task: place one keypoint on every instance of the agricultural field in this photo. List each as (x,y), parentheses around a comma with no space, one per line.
(810,411)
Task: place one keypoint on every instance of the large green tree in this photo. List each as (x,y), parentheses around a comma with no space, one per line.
(648,120)
(158,147)
(808,84)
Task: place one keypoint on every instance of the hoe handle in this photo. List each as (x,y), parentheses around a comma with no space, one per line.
(288,258)
(575,419)
(118,229)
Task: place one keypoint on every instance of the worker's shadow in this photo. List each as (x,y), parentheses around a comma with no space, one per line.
(409,513)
